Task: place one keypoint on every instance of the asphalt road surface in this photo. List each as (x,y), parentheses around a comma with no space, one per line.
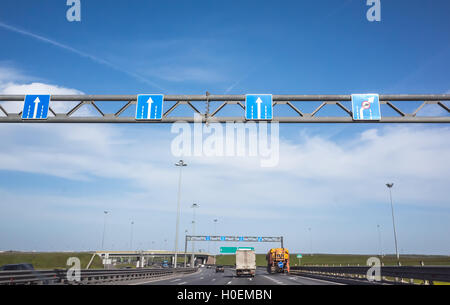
(209,277)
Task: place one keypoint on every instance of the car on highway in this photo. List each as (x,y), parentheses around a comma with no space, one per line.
(220,269)
(14,267)
(26,267)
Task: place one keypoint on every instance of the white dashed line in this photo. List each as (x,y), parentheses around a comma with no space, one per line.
(229,283)
(182,283)
(274,280)
(213,280)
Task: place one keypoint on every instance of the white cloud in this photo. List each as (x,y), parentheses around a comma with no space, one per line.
(312,171)
(15,82)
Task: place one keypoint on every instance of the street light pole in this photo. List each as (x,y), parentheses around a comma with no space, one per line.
(215,243)
(390,185)
(310,241)
(180,164)
(131,236)
(379,241)
(104,229)
(185,246)
(194,206)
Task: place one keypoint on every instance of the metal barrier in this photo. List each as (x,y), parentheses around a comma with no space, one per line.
(427,274)
(87,277)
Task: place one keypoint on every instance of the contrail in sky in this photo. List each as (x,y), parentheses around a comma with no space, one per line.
(80,53)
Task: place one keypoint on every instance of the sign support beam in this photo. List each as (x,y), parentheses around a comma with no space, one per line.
(194,102)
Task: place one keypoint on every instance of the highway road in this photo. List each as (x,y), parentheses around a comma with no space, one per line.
(209,277)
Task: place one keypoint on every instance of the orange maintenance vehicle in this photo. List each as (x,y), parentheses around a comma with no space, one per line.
(278,260)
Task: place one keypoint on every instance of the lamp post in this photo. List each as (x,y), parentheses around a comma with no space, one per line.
(104,229)
(379,241)
(185,246)
(215,243)
(180,164)
(310,241)
(131,236)
(390,185)
(194,206)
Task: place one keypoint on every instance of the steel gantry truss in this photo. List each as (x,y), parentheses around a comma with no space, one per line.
(197,102)
(254,239)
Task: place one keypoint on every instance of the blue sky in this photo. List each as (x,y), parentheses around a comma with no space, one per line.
(55,181)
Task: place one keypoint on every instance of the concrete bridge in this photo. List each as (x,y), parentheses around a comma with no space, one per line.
(147,257)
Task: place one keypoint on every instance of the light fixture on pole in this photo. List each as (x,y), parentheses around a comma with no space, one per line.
(104,229)
(215,243)
(310,241)
(379,241)
(193,206)
(131,236)
(390,185)
(180,164)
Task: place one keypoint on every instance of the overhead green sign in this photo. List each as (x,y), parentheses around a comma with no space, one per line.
(232,250)
(299,256)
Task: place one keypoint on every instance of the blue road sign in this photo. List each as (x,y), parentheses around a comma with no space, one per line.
(258,107)
(280,264)
(222,238)
(208,237)
(149,107)
(241,238)
(35,107)
(366,107)
(259,238)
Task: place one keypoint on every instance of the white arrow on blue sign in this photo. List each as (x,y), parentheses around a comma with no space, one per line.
(36,107)
(259,238)
(149,107)
(258,107)
(222,237)
(208,237)
(366,107)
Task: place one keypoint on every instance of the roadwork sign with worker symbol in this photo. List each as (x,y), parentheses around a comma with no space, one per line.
(36,107)
(258,107)
(149,107)
(366,107)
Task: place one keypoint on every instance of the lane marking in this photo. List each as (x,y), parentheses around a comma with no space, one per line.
(213,280)
(175,280)
(202,278)
(164,278)
(229,283)
(313,279)
(274,280)
(182,283)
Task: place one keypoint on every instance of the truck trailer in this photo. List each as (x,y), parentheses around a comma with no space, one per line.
(278,260)
(245,262)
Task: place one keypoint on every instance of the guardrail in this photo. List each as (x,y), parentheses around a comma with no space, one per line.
(427,274)
(87,277)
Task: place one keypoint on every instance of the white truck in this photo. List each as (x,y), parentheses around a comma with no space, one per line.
(245,262)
